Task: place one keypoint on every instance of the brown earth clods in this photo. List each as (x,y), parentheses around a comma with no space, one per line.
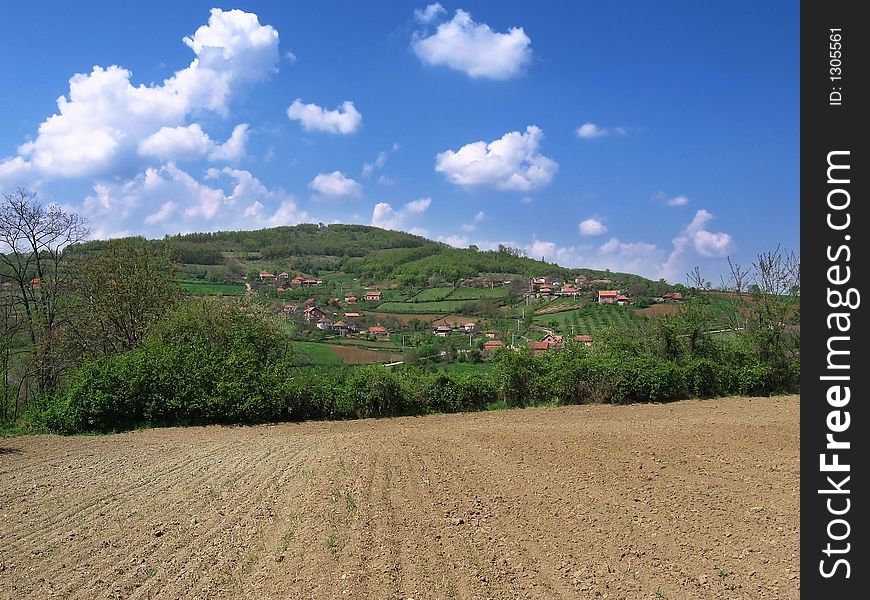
(695,499)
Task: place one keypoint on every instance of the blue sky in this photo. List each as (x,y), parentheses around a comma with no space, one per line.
(636,136)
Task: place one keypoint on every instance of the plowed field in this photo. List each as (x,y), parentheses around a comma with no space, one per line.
(695,499)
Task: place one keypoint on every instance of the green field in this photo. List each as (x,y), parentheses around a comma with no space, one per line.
(314,353)
(422,308)
(201,288)
(432,294)
(589,319)
(478,293)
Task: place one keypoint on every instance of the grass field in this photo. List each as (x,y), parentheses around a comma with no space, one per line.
(478,293)
(432,294)
(443,307)
(201,288)
(314,353)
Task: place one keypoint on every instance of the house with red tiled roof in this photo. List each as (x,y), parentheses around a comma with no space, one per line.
(442,330)
(491,346)
(313,314)
(379,332)
(553,339)
(297,281)
(673,296)
(351,315)
(583,339)
(607,296)
(538,348)
(373,296)
(622,300)
(351,299)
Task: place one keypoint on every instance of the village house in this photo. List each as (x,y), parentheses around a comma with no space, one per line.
(351,299)
(583,339)
(313,314)
(673,297)
(469,327)
(538,348)
(492,334)
(343,327)
(324,324)
(379,332)
(622,300)
(569,290)
(442,330)
(491,346)
(351,315)
(296,281)
(290,308)
(310,282)
(607,296)
(267,276)
(554,340)
(373,296)
(581,279)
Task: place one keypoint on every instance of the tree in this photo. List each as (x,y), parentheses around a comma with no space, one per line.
(119,294)
(34,240)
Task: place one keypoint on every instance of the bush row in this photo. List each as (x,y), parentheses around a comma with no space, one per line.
(166,384)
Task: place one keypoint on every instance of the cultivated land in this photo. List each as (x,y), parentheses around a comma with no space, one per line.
(695,499)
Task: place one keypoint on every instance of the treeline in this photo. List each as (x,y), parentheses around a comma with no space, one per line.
(200,381)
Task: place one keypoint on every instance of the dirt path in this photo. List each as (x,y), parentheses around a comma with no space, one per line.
(696,499)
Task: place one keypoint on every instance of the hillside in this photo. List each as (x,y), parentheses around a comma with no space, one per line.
(369,253)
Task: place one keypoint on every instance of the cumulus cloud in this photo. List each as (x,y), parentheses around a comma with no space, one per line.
(379,162)
(473,48)
(192,143)
(512,162)
(695,237)
(589,131)
(344,120)
(335,185)
(386,217)
(627,257)
(104,118)
(429,14)
(479,218)
(167,199)
(590,227)
(456,241)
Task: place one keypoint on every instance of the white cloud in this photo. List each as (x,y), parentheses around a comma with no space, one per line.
(167,199)
(592,227)
(380,161)
(527,199)
(429,14)
(662,198)
(479,218)
(290,56)
(456,241)
(344,120)
(386,217)
(192,143)
(510,163)
(641,258)
(104,118)
(695,237)
(335,185)
(474,48)
(589,131)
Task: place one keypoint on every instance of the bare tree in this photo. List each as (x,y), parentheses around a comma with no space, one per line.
(33,244)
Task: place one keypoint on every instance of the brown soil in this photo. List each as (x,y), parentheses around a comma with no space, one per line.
(696,499)
(353,355)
